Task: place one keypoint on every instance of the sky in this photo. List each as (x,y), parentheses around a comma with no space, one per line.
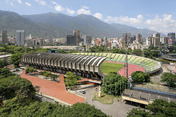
(157,15)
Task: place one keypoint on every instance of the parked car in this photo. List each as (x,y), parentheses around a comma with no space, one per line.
(17,70)
(82,91)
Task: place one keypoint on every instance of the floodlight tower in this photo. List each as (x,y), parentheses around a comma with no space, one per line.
(126,37)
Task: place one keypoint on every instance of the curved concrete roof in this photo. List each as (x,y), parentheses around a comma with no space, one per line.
(79,63)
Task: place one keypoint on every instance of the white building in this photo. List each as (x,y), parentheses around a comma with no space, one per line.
(20,37)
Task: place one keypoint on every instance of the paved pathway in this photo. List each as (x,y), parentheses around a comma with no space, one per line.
(117,109)
(54,89)
(131,68)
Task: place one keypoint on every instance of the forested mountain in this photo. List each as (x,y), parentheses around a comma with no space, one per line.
(145,32)
(60,25)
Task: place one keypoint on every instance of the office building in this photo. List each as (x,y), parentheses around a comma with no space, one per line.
(87,40)
(76,33)
(164,40)
(4,37)
(171,38)
(149,41)
(20,37)
(156,39)
(71,40)
(133,38)
(139,38)
(105,41)
(125,39)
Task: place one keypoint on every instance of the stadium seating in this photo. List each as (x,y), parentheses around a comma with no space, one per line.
(148,64)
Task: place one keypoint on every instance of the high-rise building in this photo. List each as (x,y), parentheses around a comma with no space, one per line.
(139,38)
(71,40)
(105,41)
(4,37)
(156,39)
(171,38)
(149,41)
(125,39)
(41,43)
(164,40)
(20,37)
(133,38)
(76,33)
(87,40)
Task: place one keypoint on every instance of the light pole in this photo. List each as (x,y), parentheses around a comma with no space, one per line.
(126,39)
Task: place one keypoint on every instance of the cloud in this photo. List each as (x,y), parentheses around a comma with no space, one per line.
(19,1)
(41,2)
(125,20)
(98,15)
(164,23)
(84,10)
(11,3)
(58,7)
(28,4)
(69,11)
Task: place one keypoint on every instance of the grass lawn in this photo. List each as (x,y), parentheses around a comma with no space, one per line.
(110,67)
(105,98)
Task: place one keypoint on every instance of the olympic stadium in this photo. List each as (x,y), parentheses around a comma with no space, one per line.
(87,64)
(83,65)
(150,66)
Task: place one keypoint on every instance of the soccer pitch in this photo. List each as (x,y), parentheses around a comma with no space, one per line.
(110,67)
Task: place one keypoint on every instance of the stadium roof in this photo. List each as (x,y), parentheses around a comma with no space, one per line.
(70,62)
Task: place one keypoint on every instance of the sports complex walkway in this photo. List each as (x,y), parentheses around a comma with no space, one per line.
(54,89)
(131,68)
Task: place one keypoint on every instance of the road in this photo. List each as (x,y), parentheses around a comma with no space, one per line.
(156,78)
(117,109)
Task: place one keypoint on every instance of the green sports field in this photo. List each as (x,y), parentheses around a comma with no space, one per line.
(110,67)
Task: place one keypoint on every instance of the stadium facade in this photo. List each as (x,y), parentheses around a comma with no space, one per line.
(83,65)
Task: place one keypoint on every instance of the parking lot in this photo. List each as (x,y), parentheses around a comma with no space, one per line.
(117,109)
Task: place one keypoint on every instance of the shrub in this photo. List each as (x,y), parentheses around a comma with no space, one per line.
(140,77)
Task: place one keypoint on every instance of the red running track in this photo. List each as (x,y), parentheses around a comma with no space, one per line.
(131,68)
(54,89)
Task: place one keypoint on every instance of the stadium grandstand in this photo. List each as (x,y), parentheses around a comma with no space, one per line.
(83,65)
(150,66)
(170,57)
(145,97)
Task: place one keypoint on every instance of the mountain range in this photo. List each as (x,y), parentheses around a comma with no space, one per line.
(60,25)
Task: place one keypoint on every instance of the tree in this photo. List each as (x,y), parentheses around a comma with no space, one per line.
(159,108)
(115,50)
(138,113)
(137,52)
(2,49)
(3,63)
(4,72)
(16,86)
(30,70)
(140,77)
(15,58)
(32,108)
(114,84)
(54,77)
(71,79)
(85,110)
(169,78)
